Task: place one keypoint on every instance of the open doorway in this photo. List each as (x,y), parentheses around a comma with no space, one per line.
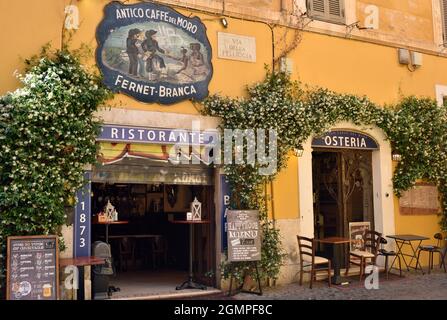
(342,193)
(150,252)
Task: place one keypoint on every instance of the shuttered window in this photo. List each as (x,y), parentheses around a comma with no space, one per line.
(444,20)
(328,10)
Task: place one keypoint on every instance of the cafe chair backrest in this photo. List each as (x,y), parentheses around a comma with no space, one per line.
(102,250)
(358,240)
(372,241)
(306,247)
(438,237)
(126,246)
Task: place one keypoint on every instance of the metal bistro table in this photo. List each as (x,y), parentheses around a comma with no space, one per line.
(336,242)
(190,284)
(407,239)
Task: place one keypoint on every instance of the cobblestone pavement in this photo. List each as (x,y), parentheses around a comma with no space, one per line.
(410,287)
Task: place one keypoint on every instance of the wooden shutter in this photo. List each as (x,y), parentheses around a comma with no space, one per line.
(444,20)
(327,10)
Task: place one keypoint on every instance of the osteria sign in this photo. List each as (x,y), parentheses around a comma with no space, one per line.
(345,139)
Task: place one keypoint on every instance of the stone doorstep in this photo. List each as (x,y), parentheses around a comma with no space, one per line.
(176,295)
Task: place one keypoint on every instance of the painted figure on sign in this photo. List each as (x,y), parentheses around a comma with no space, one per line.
(184,60)
(132,51)
(197,60)
(151,47)
(141,60)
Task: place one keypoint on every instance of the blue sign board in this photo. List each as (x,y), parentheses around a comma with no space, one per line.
(114,133)
(343,139)
(224,207)
(153,53)
(82,225)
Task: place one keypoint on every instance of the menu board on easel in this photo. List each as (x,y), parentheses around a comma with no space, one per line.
(32,268)
(244,236)
(423,199)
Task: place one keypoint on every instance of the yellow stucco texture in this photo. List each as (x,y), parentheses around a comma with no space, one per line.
(230,77)
(421,225)
(285,191)
(401,18)
(24,29)
(336,63)
(361,68)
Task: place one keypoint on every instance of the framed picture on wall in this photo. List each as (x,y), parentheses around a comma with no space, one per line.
(356,231)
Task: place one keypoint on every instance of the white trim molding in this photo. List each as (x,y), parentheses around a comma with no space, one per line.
(437,23)
(154,119)
(441,92)
(382,183)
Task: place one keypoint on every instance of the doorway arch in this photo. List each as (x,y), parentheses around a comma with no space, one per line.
(382,173)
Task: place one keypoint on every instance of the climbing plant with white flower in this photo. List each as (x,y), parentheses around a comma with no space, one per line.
(415,127)
(47,134)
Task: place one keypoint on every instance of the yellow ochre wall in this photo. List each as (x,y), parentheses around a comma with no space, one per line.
(411,18)
(28,27)
(340,64)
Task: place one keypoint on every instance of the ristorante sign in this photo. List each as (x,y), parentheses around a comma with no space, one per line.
(153,53)
(120,134)
(344,139)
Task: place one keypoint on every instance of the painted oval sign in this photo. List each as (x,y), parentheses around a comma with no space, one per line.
(153,53)
(344,139)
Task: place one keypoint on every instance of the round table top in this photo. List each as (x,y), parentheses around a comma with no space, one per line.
(112,222)
(191,221)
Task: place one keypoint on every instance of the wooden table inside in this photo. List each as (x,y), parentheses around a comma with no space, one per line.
(136,236)
(112,222)
(81,261)
(108,223)
(191,221)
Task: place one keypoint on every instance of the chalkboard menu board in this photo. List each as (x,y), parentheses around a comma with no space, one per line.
(244,236)
(32,268)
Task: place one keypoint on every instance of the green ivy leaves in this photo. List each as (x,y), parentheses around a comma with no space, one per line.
(48,135)
(416,128)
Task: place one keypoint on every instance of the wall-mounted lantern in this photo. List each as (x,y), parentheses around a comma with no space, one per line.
(298,152)
(396,156)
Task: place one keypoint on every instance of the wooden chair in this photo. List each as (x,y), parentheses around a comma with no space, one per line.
(367,254)
(431,249)
(159,252)
(126,252)
(307,255)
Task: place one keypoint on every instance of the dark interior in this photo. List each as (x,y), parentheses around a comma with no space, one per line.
(342,190)
(148,210)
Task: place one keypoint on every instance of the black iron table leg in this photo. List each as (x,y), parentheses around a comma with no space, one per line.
(190,284)
(107,233)
(81,286)
(399,252)
(414,256)
(336,278)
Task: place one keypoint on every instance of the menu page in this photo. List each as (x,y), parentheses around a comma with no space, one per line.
(423,199)
(244,236)
(32,268)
